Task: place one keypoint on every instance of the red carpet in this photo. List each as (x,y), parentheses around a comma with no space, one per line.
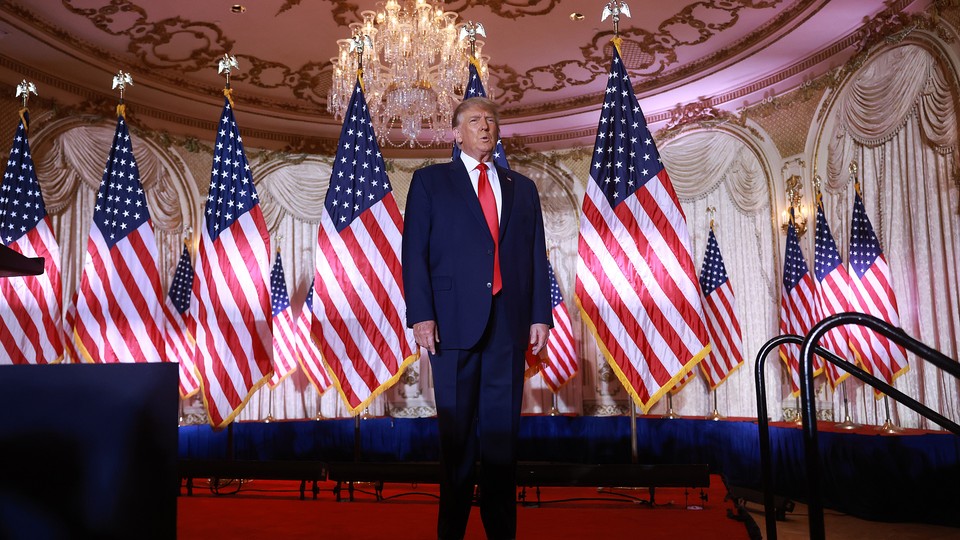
(272,509)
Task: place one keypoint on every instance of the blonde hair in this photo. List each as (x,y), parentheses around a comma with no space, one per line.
(477,102)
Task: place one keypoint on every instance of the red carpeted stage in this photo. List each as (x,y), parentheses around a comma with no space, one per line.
(272,509)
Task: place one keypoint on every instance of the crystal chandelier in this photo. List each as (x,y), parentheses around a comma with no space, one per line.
(414,69)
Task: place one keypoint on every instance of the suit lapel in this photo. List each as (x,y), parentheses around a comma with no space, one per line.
(463,186)
(507,192)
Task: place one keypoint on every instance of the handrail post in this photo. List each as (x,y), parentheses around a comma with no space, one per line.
(808,411)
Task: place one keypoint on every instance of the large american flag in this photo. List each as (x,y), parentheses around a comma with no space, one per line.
(120,299)
(636,283)
(181,345)
(475,89)
(310,358)
(562,362)
(30,330)
(796,304)
(726,355)
(359,309)
(872,293)
(284,337)
(832,291)
(232,317)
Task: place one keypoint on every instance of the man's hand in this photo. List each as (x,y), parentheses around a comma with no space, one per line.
(538,336)
(425,332)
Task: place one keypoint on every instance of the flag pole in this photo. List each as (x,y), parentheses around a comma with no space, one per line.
(554,411)
(671,414)
(269,417)
(889,426)
(634,451)
(847,423)
(798,419)
(715,415)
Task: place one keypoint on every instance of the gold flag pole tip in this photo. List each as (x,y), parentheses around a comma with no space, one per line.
(122,80)
(24,89)
(227,64)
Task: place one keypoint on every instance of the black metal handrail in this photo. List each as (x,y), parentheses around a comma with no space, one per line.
(808,407)
(763,426)
(808,348)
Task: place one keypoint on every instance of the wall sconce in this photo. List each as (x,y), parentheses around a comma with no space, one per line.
(794,202)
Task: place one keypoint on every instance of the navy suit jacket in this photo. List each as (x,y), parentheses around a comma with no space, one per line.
(448,255)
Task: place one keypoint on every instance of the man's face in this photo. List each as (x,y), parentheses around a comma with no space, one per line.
(477,132)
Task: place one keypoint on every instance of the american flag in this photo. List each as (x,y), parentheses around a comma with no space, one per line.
(726,355)
(832,290)
(284,338)
(70,352)
(232,317)
(310,358)
(359,309)
(636,283)
(30,330)
(120,299)
(562,362)
(796,304)
(475,89)
(872,293)
(181,346)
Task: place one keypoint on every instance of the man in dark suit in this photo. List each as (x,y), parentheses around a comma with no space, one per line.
(477,293)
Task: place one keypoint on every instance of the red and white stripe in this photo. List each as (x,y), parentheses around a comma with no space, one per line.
(363,338)
(30,328)
(311,361)
(638,290)
(284,347)
(831,295)
(119,302)
(796,317)
(232,315)
(181,348)
(70,352)
(874,295)
(562,363)
(726,355)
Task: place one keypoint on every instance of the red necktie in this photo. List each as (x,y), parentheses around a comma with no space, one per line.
(489,205)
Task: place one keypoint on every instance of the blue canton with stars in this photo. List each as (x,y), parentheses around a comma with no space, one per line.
(278,287)
(826,257)
(625,157)
(556,298)
(231,185)
(713,273)
(21,204)
(309,302)
(182,284)
(475,89)
(864,246)
(121,206)
(359,178)
(794,266)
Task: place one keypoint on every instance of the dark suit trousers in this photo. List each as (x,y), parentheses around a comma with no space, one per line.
(478,394)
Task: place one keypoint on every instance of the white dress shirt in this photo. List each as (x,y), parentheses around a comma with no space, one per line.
(471,165)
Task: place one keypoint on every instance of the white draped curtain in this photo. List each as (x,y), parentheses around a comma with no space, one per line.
(717,169)
(897,119)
